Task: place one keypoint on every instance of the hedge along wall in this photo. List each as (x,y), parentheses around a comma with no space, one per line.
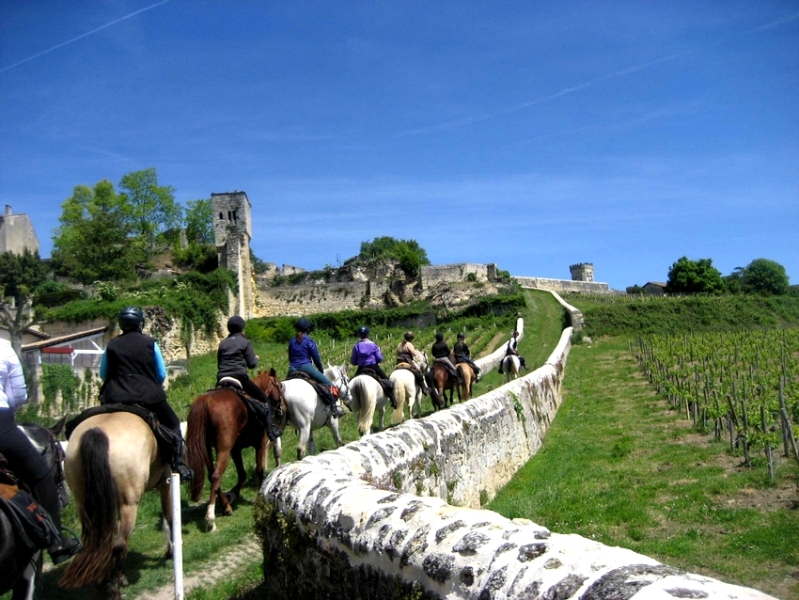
(396,514)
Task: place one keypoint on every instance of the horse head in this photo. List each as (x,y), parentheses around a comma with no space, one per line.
(338,375)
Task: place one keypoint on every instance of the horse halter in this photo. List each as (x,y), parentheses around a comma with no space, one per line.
(345,382)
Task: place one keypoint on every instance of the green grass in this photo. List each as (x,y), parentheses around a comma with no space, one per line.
(619,467)
(146,568)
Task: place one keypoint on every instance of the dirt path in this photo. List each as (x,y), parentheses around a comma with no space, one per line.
(210,573)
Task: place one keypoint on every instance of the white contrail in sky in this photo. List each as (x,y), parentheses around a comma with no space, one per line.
(80,37)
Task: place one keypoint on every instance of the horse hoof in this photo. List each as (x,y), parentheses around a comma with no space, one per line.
(231,498)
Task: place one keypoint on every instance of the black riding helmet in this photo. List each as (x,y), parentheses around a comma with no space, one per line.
(439,337)
(363,331)
(304,325)
(408,335)
(131,318)
(461,336)
(235,324)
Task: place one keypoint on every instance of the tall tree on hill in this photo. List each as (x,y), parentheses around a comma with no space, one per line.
(20,275)
(410,255)
(690,277)
(765,277)
(95,241)
(151,207)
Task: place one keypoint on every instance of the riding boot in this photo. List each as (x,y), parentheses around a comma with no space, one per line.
(179,465)
(421,383)
(64,547)
(330,395)
(388,388)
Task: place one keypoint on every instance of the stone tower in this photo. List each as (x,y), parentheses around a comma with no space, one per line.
(16,233)
(582,272)
(232,235)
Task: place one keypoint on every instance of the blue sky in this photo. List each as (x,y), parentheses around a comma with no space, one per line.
(530,134)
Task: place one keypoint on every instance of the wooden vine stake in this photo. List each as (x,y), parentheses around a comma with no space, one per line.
(786,422)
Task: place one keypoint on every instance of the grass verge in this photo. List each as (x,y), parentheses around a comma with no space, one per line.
(619,467)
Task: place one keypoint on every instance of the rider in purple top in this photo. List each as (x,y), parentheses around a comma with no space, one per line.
(367,354)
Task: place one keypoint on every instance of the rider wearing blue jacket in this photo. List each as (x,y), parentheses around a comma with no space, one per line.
(304,356)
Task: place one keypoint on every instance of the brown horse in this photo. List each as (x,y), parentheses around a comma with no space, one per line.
(112,459)
(219,419)
(467,380)
(440,381)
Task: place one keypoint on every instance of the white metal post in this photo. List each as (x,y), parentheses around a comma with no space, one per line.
(177,537)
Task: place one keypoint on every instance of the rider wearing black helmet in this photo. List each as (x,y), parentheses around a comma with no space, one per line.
(462,354)
(367,355)
(233,357)
(133,371)
(304,356)
(441,353)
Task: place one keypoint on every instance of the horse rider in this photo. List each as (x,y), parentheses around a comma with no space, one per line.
(133,371)
(512,348)
(409,355)
(304,356)
(24,460)
(366,355)
(441,353)
(463,355)
(233,357)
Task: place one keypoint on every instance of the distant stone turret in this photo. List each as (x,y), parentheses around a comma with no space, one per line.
(582,272)
(232,235)
(16,233)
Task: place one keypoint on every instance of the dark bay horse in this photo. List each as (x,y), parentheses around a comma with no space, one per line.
(21,566)
(440,382)
(219,419)
(112,460)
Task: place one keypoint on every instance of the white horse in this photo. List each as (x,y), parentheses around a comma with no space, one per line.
(406,390)
(367,397)
(306,411)
(511,366)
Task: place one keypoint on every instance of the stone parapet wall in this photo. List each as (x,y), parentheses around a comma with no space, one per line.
(297,300)
(575,316)
(563,285)
(397,514)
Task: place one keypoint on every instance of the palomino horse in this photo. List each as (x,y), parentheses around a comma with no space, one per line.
(467,380)
(511,366)
(219,419)
(112,459)
(306,411)
(21,565)
(440,382)
(367,397)
(406,390)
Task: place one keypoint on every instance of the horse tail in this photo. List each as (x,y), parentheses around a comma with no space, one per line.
(366,403)
(98,513)
(400,396)
(197,456)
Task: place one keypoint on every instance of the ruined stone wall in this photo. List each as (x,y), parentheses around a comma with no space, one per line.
(562,285)
(397,514)
(17,233)
(432,275)
(297,300)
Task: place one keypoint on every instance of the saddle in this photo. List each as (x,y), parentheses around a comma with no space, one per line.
(386,384)
(321,390)
(446,362)
(168,441)
(32,525)
(255,407)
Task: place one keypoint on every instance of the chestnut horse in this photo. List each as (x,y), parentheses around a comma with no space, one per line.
(112,459)
(440,381)
(219,419)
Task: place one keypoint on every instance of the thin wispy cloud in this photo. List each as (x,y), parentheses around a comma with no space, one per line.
(82,36)
(774,24)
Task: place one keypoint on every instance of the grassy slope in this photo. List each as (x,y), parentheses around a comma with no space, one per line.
(619,467)
(146,569)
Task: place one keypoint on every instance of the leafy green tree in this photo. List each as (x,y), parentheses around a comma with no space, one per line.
(95,240)
(151,207)
(635,289)
(765,277)
(694,277)
(199,222)
(408,253)
(733,283)
(20,275)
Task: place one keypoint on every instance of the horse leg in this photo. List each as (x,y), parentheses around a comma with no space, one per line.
(127,521)
(302,442)
(241,477)
(165,492)
(277,451)
(260,459)
(222,458)
(336,434)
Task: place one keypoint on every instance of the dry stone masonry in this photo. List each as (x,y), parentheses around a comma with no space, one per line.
(397,514)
